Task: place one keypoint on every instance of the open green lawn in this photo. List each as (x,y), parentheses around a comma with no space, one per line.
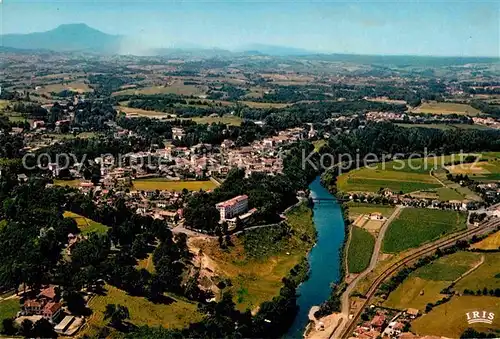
(86,225)
(450,320)
(487,275)
(360,250)
(446,108)
(176,313)
(416,226)
(169,185)
(8,309)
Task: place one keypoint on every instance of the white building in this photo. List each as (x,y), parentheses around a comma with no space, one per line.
(233,207)
(178,133)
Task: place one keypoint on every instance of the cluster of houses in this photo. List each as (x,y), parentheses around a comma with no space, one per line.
(389,197)
(47,305)
(385,324)
(490,122)
(415,119)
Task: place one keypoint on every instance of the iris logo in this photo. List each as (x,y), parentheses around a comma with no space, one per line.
(480,317)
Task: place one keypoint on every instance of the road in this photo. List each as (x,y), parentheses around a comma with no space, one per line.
(371,267)
(347,327)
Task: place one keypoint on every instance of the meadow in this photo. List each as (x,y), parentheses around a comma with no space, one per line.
(176,313)
(176,87)
(449,267)
(408,294)
(131,112)
(257,262)
(356,209)
(226,119)
(373,179)
(486,275)
(446,127)
(70,183)
(360,250)
(170,185)
(8,309)
(492,242)
(488,169)
(447,194)
(424,285)
(446,108)
(86,225)
(416,226)
(449,319)
(75,86)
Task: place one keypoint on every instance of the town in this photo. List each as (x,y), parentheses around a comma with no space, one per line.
(149,190)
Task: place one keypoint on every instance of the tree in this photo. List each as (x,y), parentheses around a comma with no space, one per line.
(43,329)
(26,328)
(116,314)
(8,327)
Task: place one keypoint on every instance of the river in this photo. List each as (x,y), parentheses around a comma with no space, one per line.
(324,258)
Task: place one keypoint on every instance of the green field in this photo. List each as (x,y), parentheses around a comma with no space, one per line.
(373,179)
(177,87)
(484,170)
(356,208)
(409,294)
(86,225)
(175,314)
(169,185)
(449,319)
(226,119)
(416,226)
(8,309)
(446,108)
(486,275)
(492,242)
(446,194)
(424,285)
(70,183)
(443,127)
(449,267)
(318,144)
(446,127)
(360,250)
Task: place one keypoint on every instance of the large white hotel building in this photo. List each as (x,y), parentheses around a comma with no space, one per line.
(233,207)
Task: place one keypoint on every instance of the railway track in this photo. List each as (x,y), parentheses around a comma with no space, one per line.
(425,250)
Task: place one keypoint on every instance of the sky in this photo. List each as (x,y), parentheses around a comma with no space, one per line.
(441,28)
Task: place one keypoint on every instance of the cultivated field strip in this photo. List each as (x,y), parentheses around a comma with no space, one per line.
(426,249)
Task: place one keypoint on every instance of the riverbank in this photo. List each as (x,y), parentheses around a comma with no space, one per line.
(325,258)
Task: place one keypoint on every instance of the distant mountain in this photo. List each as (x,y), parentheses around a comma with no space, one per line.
(273,50)
(69,37)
